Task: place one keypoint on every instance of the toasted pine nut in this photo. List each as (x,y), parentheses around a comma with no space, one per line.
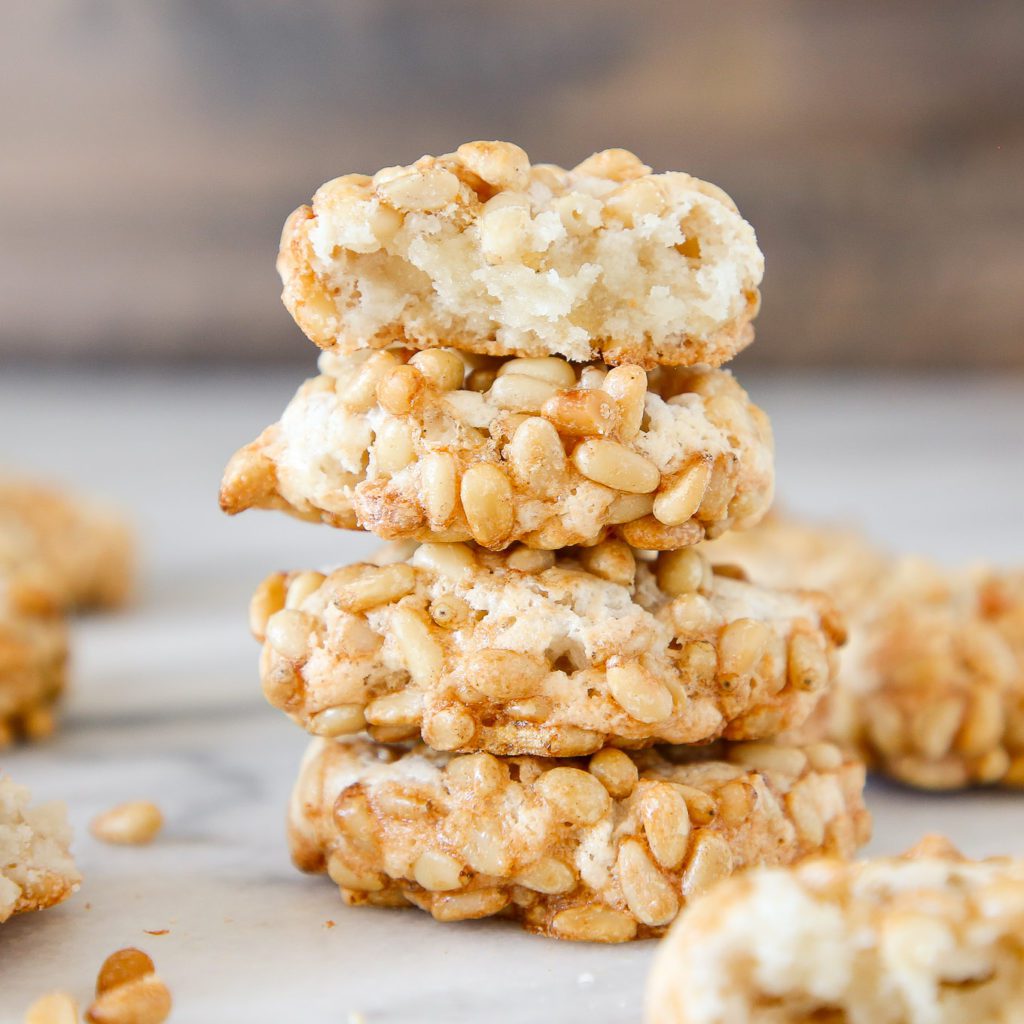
(616,466)
(130,824)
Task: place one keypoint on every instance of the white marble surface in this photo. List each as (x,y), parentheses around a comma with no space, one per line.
(166,705)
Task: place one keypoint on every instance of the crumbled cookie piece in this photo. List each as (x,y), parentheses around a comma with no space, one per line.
(604,850)
(36,868)
(537,652)
(483,251)
(531,450)
(929,938)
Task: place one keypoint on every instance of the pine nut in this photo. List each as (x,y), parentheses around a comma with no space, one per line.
(612,560)
(614,465)
(666,821)
(741,645)
(637,691)
(593,923)
(421,653)
(504,675)
(466,906)
(449,728)
(485,849)
(130,824)
(701,806)
(616,771)
(721,488)
(650,534)
(933,726)
(360,394)
(269,598)
(439,478)
(343,720)
(480,380)
(537,456)
(355,822)
(402,708)
(694,616)
(735,802)
(419,190)
(616,164)
(487,501)
(582,412)
(450,612)
(627,507)
(574,795)
(437,871)
(680,500)
(628,386)
(824,757)
(123,966)
(649,895)
(393,449)
(983,723)
(288,633)
(346,877)
(375,586)
(769,757)
(443,369)
(301,587)
(519,393)
(682,572)
(547,368)
(631,202)
(803,809)
(501,164)
(482,773)
(531,560)
(548,876)
(450,560)
(808,662)
(399,389)
(710,861)
(54,1008)
(145,1000)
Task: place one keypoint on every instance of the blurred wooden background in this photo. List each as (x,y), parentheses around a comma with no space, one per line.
(151,152)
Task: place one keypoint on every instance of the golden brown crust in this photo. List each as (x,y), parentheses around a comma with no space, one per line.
(59,553)
(535,451)
(927,938)
(532,652)
(604,850)
(479,250)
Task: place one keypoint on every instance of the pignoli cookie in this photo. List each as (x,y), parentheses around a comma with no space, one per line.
(483,251)
(601,850)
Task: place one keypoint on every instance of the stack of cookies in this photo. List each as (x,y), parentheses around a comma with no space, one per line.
(540,700)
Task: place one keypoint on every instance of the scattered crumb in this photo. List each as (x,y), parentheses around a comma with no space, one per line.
(328,924)
(586,978)
(129,824)
(157,931)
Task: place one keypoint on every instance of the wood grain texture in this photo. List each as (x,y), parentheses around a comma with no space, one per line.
(151,153)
